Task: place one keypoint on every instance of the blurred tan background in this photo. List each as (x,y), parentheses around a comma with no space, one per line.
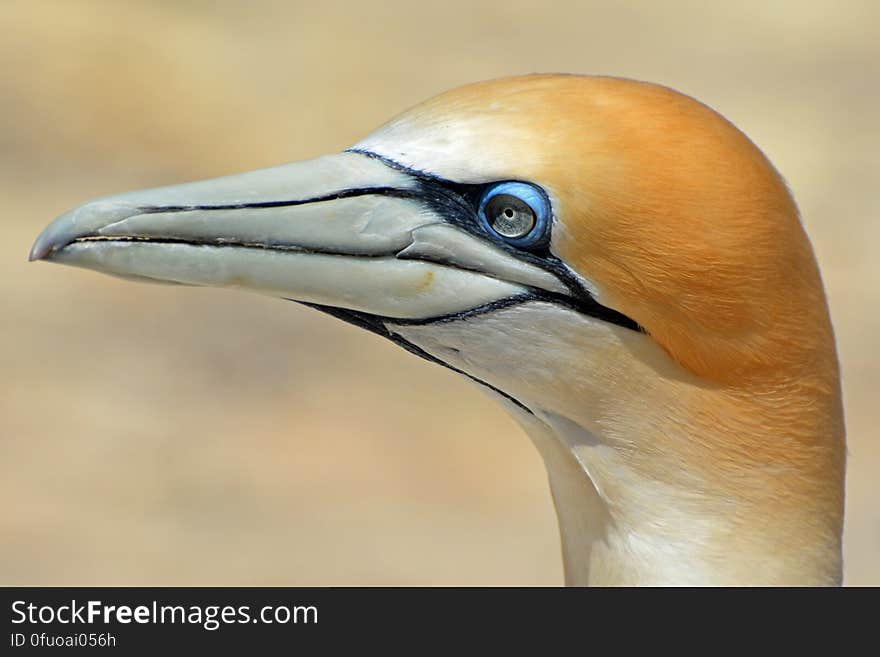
(153,435)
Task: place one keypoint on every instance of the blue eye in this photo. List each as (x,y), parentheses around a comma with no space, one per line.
(517,212)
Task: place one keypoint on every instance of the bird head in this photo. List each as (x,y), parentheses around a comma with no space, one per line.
(614,259)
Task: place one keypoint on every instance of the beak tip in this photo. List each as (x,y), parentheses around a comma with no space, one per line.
(38,252)
(56,236)
(41,248)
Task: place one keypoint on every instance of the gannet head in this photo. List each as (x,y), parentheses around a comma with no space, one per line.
(615,260)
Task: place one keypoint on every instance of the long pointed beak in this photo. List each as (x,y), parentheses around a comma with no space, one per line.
(343,230)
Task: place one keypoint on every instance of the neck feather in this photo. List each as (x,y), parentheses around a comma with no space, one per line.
(659,476)
(619,528)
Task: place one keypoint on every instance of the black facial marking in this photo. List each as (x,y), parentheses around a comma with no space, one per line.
(458,204)
(376,324)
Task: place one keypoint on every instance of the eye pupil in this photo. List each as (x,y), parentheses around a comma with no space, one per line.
(510,216)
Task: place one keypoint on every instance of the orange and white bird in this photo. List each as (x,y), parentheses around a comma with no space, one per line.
(613,261)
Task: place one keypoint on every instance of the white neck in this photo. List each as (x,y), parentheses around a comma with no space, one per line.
(619,528)
(616,529)
(639,454)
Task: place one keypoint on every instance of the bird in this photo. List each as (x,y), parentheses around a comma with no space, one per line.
(613,261)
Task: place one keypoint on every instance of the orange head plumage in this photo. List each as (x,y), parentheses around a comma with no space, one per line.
(677,217)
